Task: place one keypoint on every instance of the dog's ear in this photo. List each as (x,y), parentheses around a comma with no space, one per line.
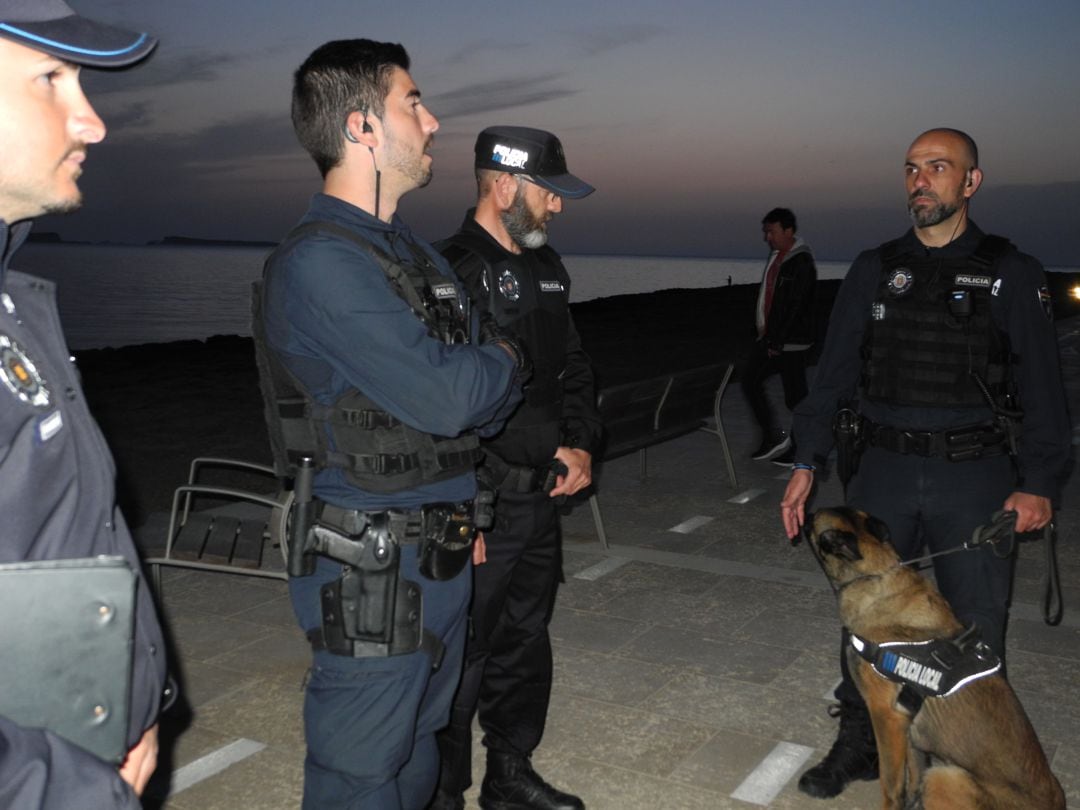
(877,528)
(841,544)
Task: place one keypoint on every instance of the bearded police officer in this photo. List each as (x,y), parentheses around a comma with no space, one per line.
(545,452)
(370,367)
(57,493)
(945,335)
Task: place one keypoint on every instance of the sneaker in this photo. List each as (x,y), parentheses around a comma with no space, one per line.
(853,757)
(785,459)
(772,446)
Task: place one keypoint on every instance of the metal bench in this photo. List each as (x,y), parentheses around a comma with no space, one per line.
(640,414)
(239,531)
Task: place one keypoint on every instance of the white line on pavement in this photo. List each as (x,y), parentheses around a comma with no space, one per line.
(594,572)
(747,496)
(213,763)
(688,526)
(767,780)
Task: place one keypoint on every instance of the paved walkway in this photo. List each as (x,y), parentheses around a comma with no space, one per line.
(694,658)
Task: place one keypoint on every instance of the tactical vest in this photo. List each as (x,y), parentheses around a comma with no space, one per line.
(377,451)
(931,332)
(535,310)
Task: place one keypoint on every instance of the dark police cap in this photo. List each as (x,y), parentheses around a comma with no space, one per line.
(533,152)
(53,27)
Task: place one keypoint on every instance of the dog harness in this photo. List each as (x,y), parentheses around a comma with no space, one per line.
(934,668)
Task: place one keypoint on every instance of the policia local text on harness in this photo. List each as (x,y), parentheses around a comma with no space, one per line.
(370,610)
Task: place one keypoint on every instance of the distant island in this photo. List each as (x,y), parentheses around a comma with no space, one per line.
(53,238)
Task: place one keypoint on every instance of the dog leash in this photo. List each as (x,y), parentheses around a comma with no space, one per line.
(1002,528)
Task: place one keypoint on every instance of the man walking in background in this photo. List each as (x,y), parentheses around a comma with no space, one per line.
(544,452)
(57,490)
(785,331)
(376,374)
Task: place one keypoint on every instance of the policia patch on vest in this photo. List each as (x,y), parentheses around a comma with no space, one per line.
(968,280)
(934,668)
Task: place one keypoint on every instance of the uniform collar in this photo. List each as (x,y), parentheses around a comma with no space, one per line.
(11,239)
(963,245)
(335,209)
(471,226)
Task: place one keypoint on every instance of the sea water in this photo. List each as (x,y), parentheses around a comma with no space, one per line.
(118,295)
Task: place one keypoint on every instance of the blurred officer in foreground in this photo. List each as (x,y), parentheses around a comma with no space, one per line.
(57,493)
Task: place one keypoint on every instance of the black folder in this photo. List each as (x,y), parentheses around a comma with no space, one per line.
(66,649)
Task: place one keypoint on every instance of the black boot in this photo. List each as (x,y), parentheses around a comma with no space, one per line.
(511,784)
(852,757)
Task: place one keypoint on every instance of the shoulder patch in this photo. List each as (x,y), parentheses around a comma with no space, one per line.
(20,375)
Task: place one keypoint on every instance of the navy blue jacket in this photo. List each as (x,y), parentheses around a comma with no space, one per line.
(1017,311)
(57,498)
(336,323)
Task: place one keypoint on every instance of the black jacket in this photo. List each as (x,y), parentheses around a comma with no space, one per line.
(791,322)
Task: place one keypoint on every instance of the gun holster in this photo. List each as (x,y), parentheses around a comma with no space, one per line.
(850,436)
(369,611)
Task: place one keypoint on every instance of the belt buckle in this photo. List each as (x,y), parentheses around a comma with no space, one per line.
(917,442)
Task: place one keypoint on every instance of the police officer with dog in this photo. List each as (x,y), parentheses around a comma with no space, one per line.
(543,454)
(378,381)
(940,374)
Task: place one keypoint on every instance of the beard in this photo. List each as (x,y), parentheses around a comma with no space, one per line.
(409,162)
(927,217)
(527,230)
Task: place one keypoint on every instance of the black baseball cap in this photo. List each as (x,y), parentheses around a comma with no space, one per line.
(532,152)
(53,27)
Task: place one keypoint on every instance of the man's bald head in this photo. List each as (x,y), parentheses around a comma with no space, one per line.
(967,145)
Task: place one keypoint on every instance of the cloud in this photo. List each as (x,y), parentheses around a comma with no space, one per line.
(608,38)
(468,53)
(500,94)
(175,66)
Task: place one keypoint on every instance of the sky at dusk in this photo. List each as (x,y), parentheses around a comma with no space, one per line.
(692,119)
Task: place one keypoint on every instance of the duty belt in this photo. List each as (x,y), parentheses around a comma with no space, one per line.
(512,478)
(956,444)
(405,526)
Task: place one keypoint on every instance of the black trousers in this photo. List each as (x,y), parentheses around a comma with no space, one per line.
(757,367)
(507,675)
(936,504)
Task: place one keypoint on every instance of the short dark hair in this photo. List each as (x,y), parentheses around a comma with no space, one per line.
(784,216)
(339,78)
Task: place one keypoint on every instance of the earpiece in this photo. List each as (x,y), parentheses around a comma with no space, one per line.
(969,178)
(367,126)
(350,137)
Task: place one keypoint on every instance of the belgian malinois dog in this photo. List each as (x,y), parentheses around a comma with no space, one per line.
(971,747)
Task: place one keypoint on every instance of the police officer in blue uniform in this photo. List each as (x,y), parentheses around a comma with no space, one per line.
(946,338)
(370,364)
(57,493)
(544,452)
